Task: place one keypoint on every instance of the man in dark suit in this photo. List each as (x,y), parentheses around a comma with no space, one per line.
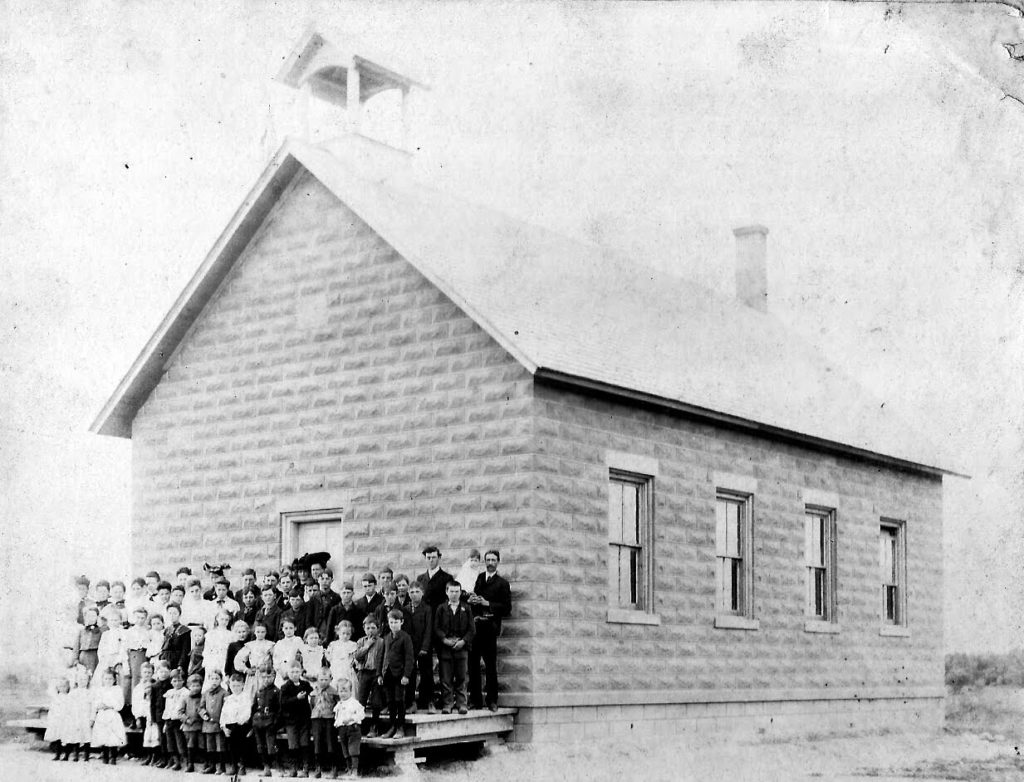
(435,579)
(491,601)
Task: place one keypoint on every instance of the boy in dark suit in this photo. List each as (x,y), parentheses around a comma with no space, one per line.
(345,609)
(453,636)
(421,630)
(371,597)
(395,671)
(270,613)
(490,601)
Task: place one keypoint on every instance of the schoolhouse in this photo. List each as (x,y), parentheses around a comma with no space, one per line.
(706,523)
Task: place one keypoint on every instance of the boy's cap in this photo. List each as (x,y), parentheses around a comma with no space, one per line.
(348,585)
(369,577)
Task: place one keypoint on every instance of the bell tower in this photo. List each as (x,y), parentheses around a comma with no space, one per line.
(345,80)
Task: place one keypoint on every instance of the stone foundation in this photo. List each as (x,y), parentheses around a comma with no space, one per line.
(750,719)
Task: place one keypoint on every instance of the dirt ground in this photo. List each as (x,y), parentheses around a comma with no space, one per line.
(982,741)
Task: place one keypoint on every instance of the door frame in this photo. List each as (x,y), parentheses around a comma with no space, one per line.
(303,507)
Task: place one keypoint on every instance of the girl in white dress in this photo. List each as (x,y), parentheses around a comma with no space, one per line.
(107,729)
(312,654)
(287,650)
(254,657)
(339,655)
(57,719)
(215,652)
(78,726)
(112,652)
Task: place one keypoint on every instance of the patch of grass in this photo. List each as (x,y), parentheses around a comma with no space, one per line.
(15,697)
(997,711)
(1006,768)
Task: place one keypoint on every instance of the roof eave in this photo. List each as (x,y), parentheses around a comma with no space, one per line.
(115,419)
(819,443)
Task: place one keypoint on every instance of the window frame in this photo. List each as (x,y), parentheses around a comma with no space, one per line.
(896,529)
(735,489)
(639,472)
(828,621)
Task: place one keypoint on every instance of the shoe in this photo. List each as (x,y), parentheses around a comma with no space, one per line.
(317,774)
(446,711)
(432,709)
(190,768)
(113,759)
(371,733)
(389,734)
(463,710)
(412,709)
(265,772)
(399,733)
(210,768)
(493,706)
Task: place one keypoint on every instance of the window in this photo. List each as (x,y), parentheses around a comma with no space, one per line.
(819,559)
(733,549)
(631,541)
(892,561)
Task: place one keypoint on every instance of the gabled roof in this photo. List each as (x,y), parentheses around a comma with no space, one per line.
(570,312)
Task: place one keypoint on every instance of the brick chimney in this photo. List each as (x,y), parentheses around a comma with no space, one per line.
(752,266)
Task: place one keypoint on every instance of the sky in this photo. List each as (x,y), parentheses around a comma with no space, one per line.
(874,141)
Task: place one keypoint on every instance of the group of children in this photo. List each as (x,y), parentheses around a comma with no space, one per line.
(209,676)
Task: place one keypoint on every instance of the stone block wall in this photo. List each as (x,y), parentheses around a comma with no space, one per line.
(580,658)
(327,363)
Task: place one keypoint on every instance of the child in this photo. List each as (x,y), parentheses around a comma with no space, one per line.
(295,715)
(402,585)
(79,714)
(155,736)
(141,694)
(367,659)
(339,654)
(215,653)
(196,656)
(156,638)
(57,720)
(265,715)
(298,611)
(87,644)
(210,708)
(395,672)
(421,629)
(453,633)
(110,654)
(101,590)
(385,608)
(174,714)
(177,640)
(108,729)
(192,724)
(137,597)
(287,650)
(322,701)
(235,717)
(250,605)
(153,585)
(348,719)
(82,587)
(117,590)
(241,631)
(136,642)
(254,657)
(312,655)
(470,569)
(270,612)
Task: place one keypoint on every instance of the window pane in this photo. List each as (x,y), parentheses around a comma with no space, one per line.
(630,513)
(816,585)
(733,518)
(737,584)
(889,599)
(627,580)
(721,509)
(614,510)
(815,540)
(888,555)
